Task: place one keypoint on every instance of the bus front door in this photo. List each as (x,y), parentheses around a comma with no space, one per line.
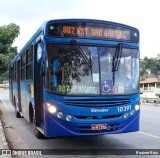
(38,91)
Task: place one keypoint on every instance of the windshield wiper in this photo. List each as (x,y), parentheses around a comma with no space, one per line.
(117,57)
(82,53)
(116,60)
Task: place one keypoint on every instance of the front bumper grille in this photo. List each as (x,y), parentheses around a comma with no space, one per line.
(96,103)
(96,118)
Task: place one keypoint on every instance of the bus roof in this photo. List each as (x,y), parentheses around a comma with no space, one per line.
(89,20)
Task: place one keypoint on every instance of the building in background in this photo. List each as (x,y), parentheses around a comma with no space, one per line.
(150,87)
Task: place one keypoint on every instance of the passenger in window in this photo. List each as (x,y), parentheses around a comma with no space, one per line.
(57,68)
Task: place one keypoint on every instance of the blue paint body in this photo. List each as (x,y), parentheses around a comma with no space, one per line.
(81,108)
(80,126)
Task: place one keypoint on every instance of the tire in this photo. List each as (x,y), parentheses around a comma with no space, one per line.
(17,114)
(37,133)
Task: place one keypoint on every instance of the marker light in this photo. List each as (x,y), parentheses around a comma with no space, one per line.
(126,115)
(137,107)
(69,117)
(52,109)
(60,115)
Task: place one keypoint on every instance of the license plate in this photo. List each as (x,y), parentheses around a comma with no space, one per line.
(99,126)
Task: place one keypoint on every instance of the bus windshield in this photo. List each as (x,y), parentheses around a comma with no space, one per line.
(91,71)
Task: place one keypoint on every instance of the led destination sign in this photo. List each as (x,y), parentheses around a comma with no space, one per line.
(92,30)
(96,32)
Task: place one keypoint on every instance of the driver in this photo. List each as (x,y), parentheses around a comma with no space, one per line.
(57,68)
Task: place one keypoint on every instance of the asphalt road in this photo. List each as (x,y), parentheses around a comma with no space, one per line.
(20,134)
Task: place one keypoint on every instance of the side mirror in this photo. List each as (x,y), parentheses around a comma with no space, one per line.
(39,52)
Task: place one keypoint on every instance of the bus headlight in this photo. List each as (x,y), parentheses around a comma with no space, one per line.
(52,109)
(137,107)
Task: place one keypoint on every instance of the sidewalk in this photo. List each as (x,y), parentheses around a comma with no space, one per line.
(3,143)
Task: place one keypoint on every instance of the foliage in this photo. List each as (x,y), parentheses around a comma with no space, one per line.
(4,76)
(8,33)
(149,64)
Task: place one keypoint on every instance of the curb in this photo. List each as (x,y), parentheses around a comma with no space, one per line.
(4,141)
(150,104)
(3,144)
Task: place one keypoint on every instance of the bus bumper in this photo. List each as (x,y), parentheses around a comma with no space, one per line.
(57,127)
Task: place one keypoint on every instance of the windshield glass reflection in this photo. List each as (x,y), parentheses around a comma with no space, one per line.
(68,72)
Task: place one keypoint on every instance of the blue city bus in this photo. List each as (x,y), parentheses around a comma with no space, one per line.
(78,77)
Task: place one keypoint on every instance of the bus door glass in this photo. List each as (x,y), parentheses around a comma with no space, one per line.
(38,84)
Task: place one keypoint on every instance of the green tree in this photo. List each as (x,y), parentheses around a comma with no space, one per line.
(8,33)
(152,64)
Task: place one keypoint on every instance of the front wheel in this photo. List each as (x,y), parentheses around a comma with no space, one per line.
(37,133)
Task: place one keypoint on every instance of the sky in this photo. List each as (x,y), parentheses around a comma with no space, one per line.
(30,14)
